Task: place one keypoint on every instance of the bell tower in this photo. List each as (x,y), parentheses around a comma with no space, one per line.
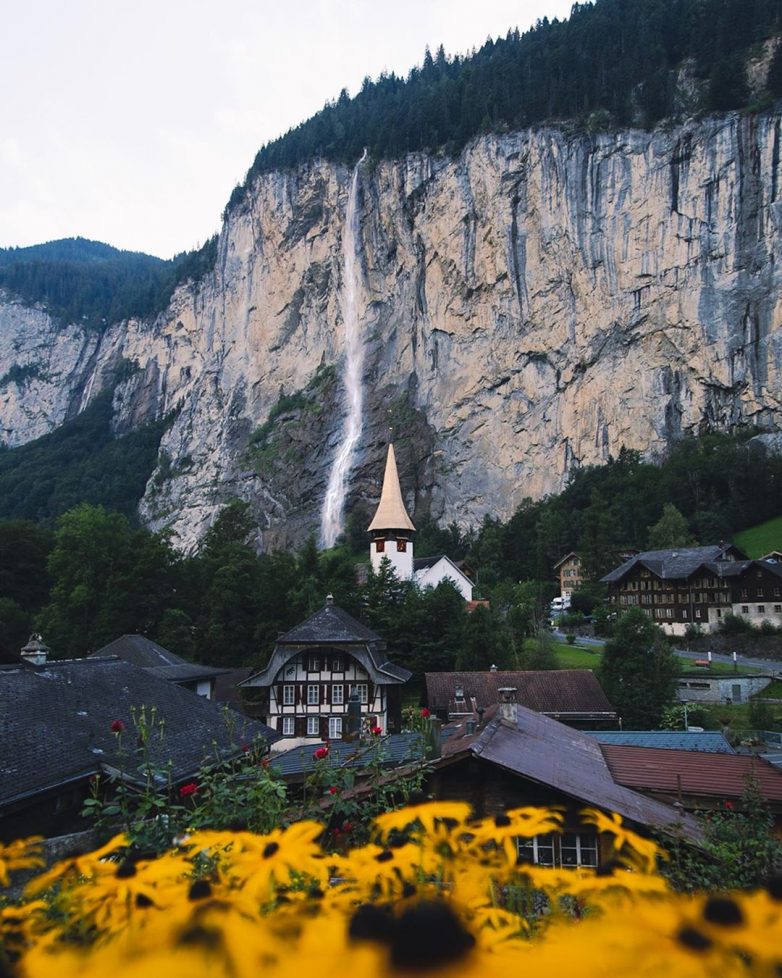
(391,529)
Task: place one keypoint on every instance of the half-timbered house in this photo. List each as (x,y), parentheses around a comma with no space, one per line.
(304,690)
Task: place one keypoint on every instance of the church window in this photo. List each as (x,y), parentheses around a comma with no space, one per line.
(380,546)
(363,692)
(288,695)
(401,546)
(313,726)
(313,695)
(335,728)
(288,726)
(337,693)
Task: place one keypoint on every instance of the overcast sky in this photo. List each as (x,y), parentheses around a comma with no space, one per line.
(131,122)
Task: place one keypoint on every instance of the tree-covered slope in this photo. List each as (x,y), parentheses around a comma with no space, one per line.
(614,62)
(79,462)
(88,282)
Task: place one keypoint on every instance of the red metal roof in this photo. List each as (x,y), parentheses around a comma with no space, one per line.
(691,772)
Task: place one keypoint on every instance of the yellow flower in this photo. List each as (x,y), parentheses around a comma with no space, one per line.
(19,854)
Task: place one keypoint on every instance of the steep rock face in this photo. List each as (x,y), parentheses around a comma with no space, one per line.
(531,306)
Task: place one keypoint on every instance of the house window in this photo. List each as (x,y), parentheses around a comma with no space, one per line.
(745,609)
(744,593)
(759,593)
(335,728)
(401,546)
(578,849)
(538,850)
(380,546)
(288,695)
(337,693)
(313,695)
(777,609)
(313,663)
(336,664)
(697,612)
(288,726)
(761,609)
(570,849)
(313,726)
(363,692)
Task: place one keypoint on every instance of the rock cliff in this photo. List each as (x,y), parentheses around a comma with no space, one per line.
(531,306)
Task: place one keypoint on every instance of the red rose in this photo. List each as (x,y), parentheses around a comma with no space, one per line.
(246,748)
(425,712)
(320,753)
(333,790)
(117,726)
(347,826)
(728,805)
(188,789)
(376,731)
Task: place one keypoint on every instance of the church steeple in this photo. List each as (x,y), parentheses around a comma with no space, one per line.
(391,527)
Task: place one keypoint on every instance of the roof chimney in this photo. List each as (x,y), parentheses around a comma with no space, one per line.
(35,652)
(329,599)
(508,714)
(492,668)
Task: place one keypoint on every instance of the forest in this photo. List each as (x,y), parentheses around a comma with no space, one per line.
(611,63)
(93,284)
(94,574)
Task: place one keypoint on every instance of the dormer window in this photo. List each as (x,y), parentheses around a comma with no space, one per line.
(313,663)
(459,693)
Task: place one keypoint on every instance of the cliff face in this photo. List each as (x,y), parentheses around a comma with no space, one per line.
(531,306)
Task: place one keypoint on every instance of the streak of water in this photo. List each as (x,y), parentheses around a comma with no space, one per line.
(332,514)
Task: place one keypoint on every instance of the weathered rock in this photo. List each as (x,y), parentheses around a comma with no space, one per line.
(531,306)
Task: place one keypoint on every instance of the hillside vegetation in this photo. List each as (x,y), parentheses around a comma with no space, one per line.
(93,284)
(762,539)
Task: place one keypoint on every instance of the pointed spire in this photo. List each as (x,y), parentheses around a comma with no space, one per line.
(391,513)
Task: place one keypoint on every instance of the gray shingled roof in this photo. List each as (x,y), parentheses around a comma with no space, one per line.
(556,691)
(707,741)
(329,625)
(674,564)
(572,762)
(334,628)
(143,652)
(55,723)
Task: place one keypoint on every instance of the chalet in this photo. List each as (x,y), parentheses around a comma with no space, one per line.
(573,696)
(571,574)
(56,729)
(521,757)
(391,538)
(146,654)
(315,668)
(698,586)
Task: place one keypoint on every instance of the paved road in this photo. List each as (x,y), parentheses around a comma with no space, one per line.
(770,666)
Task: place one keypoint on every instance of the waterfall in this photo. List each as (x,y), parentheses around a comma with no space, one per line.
(332,514)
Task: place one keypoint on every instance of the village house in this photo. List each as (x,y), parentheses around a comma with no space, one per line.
(521,757)
(573,696)
(698,586)
(143,652)
(304,691)
(60,723)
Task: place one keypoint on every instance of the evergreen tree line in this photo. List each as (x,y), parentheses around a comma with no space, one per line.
(612,63)
(93,284)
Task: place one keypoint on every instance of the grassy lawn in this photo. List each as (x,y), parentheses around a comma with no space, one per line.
(761,539)
(573,657)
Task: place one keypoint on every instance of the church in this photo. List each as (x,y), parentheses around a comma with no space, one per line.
(391,532)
